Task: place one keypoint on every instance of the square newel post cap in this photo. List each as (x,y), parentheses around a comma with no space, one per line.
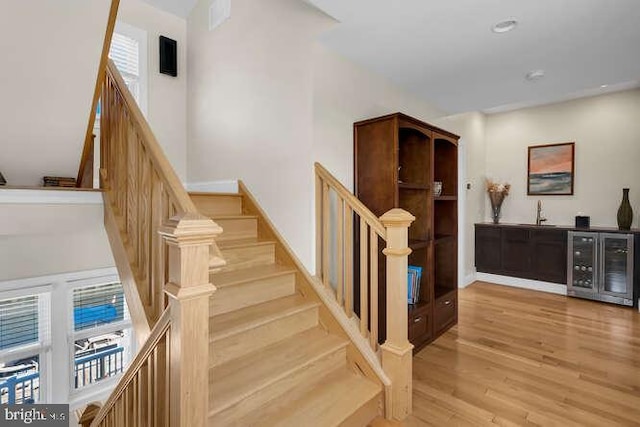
(190,229)
(397,217)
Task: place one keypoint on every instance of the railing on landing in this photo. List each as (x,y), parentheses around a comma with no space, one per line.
(337,210)
(164,250)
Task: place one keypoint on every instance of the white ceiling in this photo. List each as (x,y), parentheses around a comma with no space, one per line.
(445,51)
(179,8)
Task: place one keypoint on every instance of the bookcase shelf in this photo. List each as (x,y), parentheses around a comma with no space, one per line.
(412,186)
(396,161)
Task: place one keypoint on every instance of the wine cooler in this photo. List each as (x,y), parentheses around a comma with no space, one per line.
(600,267)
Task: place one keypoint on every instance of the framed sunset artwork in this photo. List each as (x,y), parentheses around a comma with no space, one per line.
(551,169)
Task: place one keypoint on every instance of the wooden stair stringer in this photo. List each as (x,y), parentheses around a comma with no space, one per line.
(331,315)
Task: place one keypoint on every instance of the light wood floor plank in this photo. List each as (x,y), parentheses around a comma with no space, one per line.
(525,358)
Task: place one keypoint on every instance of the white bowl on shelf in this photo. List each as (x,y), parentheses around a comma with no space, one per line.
(437,188)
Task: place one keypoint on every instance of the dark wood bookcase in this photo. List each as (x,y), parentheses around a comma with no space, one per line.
(397,159)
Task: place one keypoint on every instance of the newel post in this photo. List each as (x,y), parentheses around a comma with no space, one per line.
(397,350)
(189,237)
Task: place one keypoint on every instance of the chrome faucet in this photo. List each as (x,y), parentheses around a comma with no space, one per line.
(539,219)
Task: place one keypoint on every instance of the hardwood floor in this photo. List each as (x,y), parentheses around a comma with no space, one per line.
(520,357)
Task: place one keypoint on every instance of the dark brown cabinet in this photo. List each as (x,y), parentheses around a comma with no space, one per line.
(397,160)
(529,252)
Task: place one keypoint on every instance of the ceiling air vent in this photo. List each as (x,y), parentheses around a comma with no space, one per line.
(219,11)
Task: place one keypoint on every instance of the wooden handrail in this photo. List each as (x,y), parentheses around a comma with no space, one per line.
(160,332)
(85,171)
(355,203)
(148,140)
(336,252)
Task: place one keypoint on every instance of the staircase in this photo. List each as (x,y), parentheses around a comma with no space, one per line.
(272,362)
(232,329)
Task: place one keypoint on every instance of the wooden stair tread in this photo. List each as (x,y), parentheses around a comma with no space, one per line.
(235,277)
(207,193)
(237,379)
(329,403)
(239,243)
(234,322)
(239,216)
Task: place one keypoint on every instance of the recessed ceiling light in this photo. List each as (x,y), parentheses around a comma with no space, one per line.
(504,26)
(603,86)
(534,75)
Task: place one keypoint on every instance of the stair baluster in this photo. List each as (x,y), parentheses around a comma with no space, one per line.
(334,234)
(163,249)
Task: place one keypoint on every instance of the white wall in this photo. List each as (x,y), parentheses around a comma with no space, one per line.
(471,129)
(606,130)
(50,55)
(265,101)
(344,93)
(37,239)
(167,96)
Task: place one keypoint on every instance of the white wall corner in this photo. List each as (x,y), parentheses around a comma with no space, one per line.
(223,186)
(468,279)
(515,282)
(49,197)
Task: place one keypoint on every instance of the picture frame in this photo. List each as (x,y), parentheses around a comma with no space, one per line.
(551,169)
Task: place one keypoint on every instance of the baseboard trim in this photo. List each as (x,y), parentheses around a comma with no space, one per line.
(517,282)
(222,186)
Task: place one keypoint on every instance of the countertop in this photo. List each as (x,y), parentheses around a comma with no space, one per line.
(561,228)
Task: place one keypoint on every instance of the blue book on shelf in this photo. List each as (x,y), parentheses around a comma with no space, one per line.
(411,278)
(414,285)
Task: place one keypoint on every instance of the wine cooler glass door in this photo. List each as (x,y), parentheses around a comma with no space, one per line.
(616,265)
(582,262)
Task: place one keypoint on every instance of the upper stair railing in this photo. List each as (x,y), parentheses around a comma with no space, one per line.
(163,249)
(338,211)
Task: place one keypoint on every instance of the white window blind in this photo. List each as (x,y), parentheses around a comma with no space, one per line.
(25,340)
(98,306)
(125,53)
(24,321)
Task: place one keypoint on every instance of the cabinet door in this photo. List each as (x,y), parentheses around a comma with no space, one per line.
(446,312)
(516,252)
(488,249)
(582,275)
(549,255)
(616,265)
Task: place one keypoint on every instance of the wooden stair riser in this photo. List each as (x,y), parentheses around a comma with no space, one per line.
(224,349)
(301,377)
(216,205)
(365,413)
(248,256)
(267,411)
(342,398)
(241,295)
(240,227)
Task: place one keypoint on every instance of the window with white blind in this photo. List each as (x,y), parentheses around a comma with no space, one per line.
(25,340)
(101,333)
(129,52)
(64,338)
